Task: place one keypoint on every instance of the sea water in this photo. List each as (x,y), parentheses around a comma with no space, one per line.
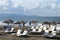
(17,17)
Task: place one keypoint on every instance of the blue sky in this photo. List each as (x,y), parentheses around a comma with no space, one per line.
(31,7)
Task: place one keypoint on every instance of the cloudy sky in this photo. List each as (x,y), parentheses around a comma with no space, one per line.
(31,7)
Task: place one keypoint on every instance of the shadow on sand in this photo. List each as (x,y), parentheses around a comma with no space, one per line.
(25,36)
(56,38)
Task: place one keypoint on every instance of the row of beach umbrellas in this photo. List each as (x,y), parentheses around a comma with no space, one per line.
(9,21)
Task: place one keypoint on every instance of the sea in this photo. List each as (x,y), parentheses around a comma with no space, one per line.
(17,17)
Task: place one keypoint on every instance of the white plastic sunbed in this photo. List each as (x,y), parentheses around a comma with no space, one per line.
(44,28)
(46,32)
(34,30)
(32,27)
(37,29)
(18,32)
(24,33)
(58,28)
(21,34)
(50,32)
(52,28)
(53,34)
(7,30)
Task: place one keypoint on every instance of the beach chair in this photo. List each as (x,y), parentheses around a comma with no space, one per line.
(52,28)
(21,34)
(9,30)
(32,27)
(58,29)
(33,30)
(53,34)
(18,32)
(46,33)
(36,30)
(39,30)
(44,28)
(24,33)
(37,27)
(49,33)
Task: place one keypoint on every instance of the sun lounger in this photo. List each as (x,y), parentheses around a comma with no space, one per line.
(18,32)
(39,30)
(21,34)
(36,30)
(44,28)
(52,28)
(33,30)
(32,27)
(37,27)
(46,32)
(58,29)
(49,33)
(53,34)
(24,33)
(9,30)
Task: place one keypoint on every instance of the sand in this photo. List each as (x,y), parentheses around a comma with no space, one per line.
(30,37)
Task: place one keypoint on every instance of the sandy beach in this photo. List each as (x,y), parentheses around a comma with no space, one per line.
(31,37)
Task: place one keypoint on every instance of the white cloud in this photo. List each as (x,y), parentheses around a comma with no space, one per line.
(29,4)
(47,7)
